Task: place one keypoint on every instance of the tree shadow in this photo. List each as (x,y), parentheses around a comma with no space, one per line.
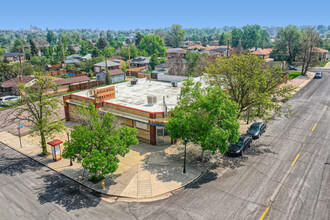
(206,177)
(18,164)
(67,193)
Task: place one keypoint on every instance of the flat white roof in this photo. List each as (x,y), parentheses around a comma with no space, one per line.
(135,96)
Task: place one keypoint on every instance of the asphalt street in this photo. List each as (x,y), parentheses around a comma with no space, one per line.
(284,175)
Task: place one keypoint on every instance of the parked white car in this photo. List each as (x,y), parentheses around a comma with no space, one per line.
(8,100)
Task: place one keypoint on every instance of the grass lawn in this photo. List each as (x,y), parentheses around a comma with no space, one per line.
(294,74)
(149,71)
(324,63)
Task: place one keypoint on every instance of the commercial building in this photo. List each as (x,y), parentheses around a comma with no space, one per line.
(141,104)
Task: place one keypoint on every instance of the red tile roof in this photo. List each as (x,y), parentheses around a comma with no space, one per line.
(15,81)
(67,81)
(320,50)
(263,52)
(199,47)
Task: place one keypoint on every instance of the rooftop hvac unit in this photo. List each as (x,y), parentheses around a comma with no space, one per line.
(152,100)
(134,81)
(174,84)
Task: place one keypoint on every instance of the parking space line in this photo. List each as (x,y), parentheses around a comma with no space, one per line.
(325,108)
(314,127)
(295,160)
(262,217)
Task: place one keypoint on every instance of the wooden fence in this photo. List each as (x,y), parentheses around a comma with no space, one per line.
(86,85)
(144,75)
(64,72)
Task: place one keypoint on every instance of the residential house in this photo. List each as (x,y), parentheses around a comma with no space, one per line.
(9,87)
(217,50)
(194,47)
(99,67)
(263,53)
(73,57)
(321,53)
(171,52)
(13,56)
(87,57)
(63,84)
(140,62)
(117,75)
(214,43)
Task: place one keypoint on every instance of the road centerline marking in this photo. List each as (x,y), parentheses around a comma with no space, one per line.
(295,160)
(262,217)
(314,127)
(325,108)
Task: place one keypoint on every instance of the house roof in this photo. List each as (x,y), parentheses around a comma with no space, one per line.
(199,47)
(175,49)
(216,47)
(110,63)
(115,58)
(73,56)
(67,81)
(87,57)
(320,50)
(116,72)
(263,52)
(15,81)
(140,60)
(12,54)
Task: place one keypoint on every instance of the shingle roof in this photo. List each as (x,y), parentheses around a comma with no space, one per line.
(140,60)
(15,81)
(216,47)
(116,72)
(12,54)
(110,63)
(67,81)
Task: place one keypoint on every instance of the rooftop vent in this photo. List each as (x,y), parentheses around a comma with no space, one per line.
(134,81)
(174,84)
(152,100)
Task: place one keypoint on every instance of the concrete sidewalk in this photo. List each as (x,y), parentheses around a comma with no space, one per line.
(146,173)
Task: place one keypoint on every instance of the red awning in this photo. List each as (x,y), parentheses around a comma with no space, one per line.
(55,142)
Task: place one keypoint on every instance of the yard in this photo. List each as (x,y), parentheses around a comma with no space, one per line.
(324,63)
(294,74)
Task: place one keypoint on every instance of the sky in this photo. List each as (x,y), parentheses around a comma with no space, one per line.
(125,15)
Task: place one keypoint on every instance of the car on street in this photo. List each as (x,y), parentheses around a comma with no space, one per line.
(318,75)
(256,129)
(291,68)
(240,146)
(8,100)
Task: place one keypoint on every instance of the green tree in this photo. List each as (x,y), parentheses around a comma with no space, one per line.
(124,67)
(39,110)
(41,61)
(27,54)
(101,43)
(251,36)
(18,45)
(51,37)
(108,52)
(138,38)
(34,48)
(153,61)
(98,143)
(253,87)
(307,56)
(96,52)
(204,116)
(2,50)
(286,45)
(153,44)
(86,47)
(222,40)
(236,34)
(175,35)
(134,52)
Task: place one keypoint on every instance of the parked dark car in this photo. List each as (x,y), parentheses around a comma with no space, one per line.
(292,68)
(257,129)
(318,75)
(242,144)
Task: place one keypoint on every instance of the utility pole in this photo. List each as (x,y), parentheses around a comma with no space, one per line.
(227,47)
(129,61)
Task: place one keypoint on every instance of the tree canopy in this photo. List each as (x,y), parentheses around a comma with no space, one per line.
(153,44)
(175,35)
(204,116)
(256,89)
(98,142)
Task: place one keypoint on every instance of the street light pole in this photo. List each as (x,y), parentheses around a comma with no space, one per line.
(185,154)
